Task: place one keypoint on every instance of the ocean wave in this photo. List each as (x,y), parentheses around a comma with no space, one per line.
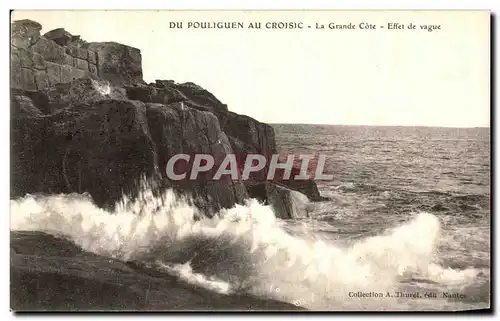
(244,249)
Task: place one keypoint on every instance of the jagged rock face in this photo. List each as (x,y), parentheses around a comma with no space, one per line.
(100,147)
(118,63)
(167,91)
(152,94)
(38,62)
(200,97)
(177,129)
(248,136)
(83,120)
(251,135)
(245,134)
(63,95)
(104,146)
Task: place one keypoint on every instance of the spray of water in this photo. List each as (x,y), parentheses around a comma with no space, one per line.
(102,87)
(242,249)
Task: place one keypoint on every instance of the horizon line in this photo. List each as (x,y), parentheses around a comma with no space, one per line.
(361,125)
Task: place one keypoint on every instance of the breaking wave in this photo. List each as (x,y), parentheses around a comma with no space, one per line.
(244,249)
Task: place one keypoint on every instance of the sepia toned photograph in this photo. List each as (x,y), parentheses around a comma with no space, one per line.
(246,160)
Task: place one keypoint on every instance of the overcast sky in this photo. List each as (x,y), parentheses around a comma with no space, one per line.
(351,77)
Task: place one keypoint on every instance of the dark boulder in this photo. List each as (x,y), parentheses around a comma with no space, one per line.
(307,187)
(286,203)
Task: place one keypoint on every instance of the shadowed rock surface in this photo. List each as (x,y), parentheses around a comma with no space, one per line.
(49,273)
(83,120)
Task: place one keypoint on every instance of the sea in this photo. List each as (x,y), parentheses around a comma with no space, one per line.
(405,226)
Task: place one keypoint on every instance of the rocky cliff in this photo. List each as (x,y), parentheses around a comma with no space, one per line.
(84,120)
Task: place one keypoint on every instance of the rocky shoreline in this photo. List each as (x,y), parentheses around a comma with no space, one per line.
(52,274)
(83,120)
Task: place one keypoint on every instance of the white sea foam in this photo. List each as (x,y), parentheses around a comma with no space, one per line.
(243,249)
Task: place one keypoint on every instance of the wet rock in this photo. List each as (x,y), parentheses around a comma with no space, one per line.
(286,203)
(49,273)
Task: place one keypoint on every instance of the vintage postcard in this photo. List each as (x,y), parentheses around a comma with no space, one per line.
(238,160)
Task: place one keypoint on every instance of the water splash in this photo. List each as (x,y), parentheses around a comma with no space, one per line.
(103,87)
(244,249)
